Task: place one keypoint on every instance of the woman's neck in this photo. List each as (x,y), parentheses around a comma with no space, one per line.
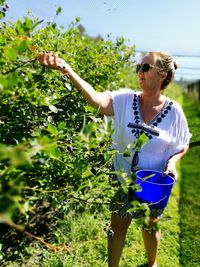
(150,105)
(152,99)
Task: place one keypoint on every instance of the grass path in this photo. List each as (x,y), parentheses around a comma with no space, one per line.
(190,194)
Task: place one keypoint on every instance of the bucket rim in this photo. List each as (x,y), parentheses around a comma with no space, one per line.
(154,182)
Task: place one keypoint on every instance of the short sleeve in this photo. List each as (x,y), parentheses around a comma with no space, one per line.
(122,101)
(119,99)
(180,131)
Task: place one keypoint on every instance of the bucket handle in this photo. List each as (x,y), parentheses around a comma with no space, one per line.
(146,178)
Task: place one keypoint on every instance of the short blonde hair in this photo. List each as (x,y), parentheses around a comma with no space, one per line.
(165,63)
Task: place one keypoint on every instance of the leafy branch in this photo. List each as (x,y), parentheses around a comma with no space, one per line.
(19,66)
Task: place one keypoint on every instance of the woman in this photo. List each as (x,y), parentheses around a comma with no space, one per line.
(148,111)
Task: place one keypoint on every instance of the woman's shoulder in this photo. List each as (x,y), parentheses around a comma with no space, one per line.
(123,92)
(175,106)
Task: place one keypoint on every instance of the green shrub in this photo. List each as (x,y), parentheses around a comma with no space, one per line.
(54,149)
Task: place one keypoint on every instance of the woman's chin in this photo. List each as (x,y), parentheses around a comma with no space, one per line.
(141,82)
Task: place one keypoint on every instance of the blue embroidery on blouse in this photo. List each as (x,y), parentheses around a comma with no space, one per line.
(138,128)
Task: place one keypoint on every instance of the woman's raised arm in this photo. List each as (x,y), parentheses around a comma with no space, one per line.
(100,100)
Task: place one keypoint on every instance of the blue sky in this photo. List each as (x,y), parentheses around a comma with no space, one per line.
(169,25)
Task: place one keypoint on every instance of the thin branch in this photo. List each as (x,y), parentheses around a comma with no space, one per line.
(19,66)
(45,191)
(19,228)
(89,202)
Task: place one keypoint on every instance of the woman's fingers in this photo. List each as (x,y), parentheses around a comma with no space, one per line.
(170,172)
(51,60)
(55,60)
(48,59)
(40,58)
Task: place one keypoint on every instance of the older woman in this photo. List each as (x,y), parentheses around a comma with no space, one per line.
(148,111)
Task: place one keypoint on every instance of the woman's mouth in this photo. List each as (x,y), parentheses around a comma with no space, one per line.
(141,80)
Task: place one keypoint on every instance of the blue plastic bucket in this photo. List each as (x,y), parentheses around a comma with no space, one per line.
(155,188)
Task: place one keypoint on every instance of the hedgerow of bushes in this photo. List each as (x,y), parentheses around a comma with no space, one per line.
(54,149)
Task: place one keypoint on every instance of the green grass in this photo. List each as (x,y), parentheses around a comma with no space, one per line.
(189,207)
(84,233)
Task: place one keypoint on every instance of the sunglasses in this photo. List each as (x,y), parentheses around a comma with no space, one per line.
(144,67)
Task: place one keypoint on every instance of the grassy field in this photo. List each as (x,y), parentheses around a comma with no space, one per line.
(85,235)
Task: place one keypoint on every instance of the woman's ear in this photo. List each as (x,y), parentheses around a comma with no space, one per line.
(163,75)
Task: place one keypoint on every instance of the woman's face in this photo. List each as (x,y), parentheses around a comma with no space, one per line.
(151,79)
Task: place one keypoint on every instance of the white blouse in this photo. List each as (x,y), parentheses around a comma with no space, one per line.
(167,133)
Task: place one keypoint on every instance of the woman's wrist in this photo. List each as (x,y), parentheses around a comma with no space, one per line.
(65,69)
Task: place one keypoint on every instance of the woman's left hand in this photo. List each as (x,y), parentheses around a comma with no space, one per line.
(170,169)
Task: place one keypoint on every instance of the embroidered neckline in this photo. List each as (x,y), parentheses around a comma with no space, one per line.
(153,123)
(157,115)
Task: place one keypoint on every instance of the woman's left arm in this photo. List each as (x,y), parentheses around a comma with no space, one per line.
(170,168)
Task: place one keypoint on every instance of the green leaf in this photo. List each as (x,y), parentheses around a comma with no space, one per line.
(52,129)
(13,79)
(138,188)
(131,145)
(68,86)
(148,176)
(143,138)
(22,46)
(19,27)
(78,19)
(10,53)
(28,24)
(59,9)
(53,108)
(55,152)
(3,81)
(2,40)
(89,109)
(61,125)
(87,174)
(126,153)
(37,23)
(4,152)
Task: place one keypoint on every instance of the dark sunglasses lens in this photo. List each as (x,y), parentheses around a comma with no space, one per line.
(145,67)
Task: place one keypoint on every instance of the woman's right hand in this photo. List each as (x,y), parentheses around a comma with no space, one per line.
(52,61)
